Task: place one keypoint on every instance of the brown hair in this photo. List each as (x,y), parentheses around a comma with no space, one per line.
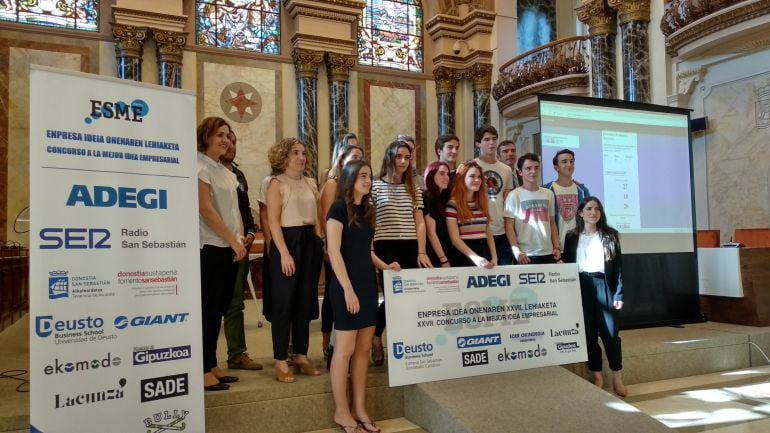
(207,128)
(464,213)
(279,154)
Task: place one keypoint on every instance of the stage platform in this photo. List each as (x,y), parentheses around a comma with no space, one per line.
(551,399)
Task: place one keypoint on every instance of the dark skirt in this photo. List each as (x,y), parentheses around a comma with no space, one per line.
(479,246)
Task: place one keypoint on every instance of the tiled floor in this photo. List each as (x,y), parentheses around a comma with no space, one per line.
(728,402)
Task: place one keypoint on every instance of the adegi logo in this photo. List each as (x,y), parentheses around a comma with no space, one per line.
(158,388)
(167,420)
(476,357)
(62,367)
(58,285)
(117,110)
(150,356)
(45,325)
(400,349)
(478,340)
(502,280)
(121,322)
(61,401)
(122,197)
(398,285)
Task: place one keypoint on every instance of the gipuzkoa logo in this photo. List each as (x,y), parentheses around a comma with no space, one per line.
(150,356)
(478,340)
(476,357)
(61,367)
(121,322)
(58,285)
(45,325)
(566,332)
(398,285)
(117,110)
(567,347)
(158,388)
(540,352)
(61,401)
(167,420)
(400,349)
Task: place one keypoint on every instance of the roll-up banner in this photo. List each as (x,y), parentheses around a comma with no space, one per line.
(447,323)
(115,327)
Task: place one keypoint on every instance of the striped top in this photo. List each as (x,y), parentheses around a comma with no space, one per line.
(476,228)
(394,215)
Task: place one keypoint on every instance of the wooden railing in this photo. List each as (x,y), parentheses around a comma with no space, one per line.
(679,13)
(14,284)
(560,57)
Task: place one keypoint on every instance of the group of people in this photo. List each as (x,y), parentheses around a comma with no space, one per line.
(483,212)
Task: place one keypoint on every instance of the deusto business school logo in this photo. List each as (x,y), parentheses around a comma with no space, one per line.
(46,325)
(401,350)
(135,111)
(123,322)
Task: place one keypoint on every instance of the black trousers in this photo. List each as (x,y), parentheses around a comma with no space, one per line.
(218,273)
(327,315)
(295,299)
(600,322)
(503,249)
(541,260)
(402,251)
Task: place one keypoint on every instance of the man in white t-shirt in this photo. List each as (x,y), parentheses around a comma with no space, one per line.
(529,217)
(498,178)
(567,192)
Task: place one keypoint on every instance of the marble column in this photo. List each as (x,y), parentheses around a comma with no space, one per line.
(306,64)
(170,46)
(634,17)
(601,26)
(128,50)
(446,82)
(337,69)
(481,78)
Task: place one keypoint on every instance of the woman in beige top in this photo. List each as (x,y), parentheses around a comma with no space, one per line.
(296,253)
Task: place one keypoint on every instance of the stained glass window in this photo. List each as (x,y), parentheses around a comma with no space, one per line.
(251,25)
(70,14)
(390,35)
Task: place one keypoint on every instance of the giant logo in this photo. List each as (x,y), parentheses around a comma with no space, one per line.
(122,322)
(159,388)
(70,238)
(400,349)
(478,340)
(62,367)
(45,325)
(122,197)
(150,356)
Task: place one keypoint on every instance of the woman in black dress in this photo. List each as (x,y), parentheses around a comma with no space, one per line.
(349,235)
(434,197)
(595,247)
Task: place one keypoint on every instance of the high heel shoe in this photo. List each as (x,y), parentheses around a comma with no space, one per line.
(306,369)
(227,379)
(283,377)
(217,387)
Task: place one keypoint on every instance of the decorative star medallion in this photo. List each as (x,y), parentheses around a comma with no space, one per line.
(240,102)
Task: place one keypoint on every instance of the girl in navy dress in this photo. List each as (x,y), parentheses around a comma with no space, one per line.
(353,292)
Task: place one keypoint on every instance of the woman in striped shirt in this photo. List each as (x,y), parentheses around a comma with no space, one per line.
(467,218)
(399,234)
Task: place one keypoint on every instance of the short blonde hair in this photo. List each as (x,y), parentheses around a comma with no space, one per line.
(279,154)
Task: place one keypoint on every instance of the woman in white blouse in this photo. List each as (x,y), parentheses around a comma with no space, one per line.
(221,234)
(595,247)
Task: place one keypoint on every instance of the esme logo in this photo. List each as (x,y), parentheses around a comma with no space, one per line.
(158,388)
(118,110)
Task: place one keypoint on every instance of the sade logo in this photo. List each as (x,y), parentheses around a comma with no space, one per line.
(122,322)
(158,388)
(118,110)
(476,357)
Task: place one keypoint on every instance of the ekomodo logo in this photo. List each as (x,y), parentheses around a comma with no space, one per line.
(122,322)
(94,363)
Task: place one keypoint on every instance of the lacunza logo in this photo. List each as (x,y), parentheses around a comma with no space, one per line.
(61,400)
(166,421)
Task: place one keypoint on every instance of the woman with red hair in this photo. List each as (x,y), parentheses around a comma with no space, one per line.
(467,218)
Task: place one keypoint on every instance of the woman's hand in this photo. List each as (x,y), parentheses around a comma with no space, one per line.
(481,261)
(351,301)
(287,265)
(239,251)
(394,267)
(446,264)
(617,304)
(423,261)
